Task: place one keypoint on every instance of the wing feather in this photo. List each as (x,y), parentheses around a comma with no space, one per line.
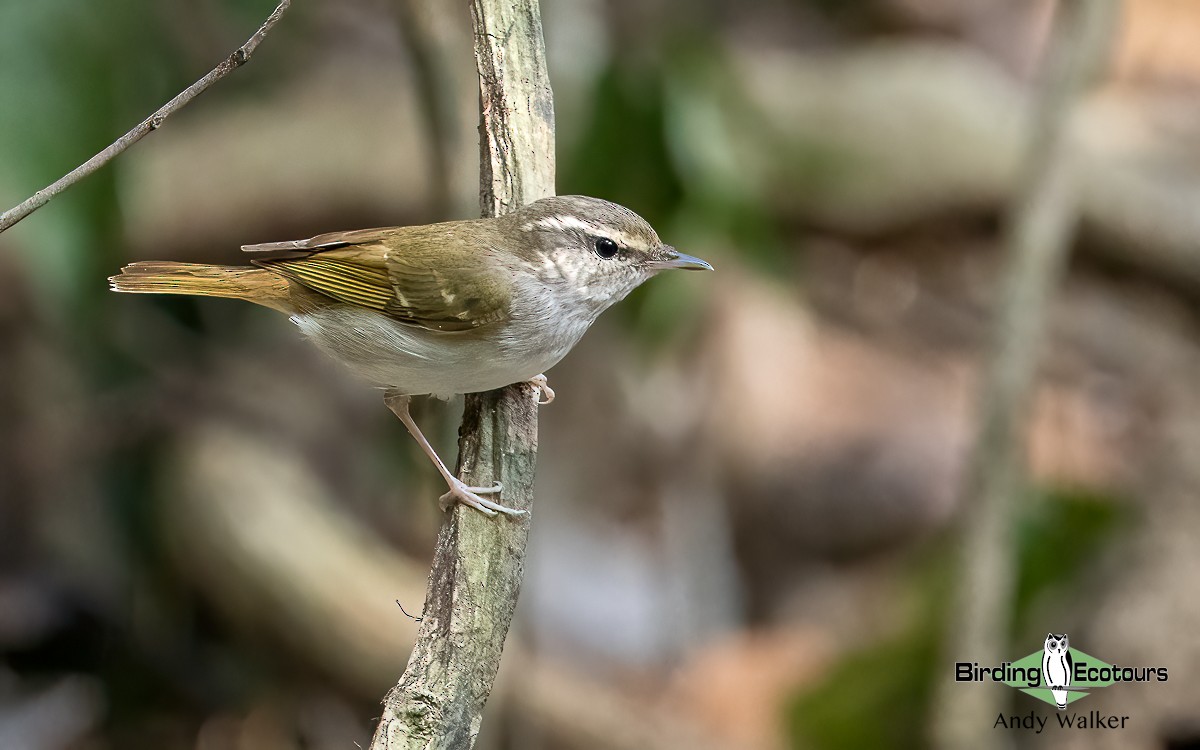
(394,272)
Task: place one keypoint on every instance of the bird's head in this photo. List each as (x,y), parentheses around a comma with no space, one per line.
(600,250)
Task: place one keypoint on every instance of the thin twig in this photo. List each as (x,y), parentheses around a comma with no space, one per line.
(1038,237)
(150,124)
(406,614)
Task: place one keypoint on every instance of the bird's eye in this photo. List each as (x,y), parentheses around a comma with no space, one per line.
(606,248)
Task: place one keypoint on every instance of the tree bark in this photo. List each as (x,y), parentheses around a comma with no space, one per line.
(479,562)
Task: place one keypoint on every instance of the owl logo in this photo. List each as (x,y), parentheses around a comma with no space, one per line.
(1057,667)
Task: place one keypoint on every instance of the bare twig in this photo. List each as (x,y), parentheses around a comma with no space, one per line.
(1039,231)
(240,56)
(479,562)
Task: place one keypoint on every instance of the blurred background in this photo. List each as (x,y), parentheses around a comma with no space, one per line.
(749,482)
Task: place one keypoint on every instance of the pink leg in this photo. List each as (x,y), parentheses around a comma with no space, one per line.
(459,491)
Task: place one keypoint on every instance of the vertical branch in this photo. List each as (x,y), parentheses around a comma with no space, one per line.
(479,562)
(516,104)
(1039,231)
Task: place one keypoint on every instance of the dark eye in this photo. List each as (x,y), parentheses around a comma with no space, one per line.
(606,248)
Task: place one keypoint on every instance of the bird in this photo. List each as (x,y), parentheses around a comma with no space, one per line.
(443,309)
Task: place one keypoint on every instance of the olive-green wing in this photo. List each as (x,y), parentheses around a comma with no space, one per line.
(424,276)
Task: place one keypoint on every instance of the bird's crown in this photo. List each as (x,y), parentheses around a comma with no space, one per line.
(589,217)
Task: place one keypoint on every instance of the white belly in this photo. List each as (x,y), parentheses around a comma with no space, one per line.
(419,361)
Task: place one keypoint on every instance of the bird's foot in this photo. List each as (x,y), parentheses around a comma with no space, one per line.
(472,496)
(542,388)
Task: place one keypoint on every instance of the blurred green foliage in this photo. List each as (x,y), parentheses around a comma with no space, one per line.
(659,136)
(73,78)
(1059,541)
(871,697)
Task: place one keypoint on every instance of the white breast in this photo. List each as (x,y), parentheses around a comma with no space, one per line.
(419,361)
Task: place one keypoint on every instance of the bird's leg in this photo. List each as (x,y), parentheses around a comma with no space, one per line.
(543,389)
(459,491)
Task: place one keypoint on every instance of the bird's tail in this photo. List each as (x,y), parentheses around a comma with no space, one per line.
(237,282)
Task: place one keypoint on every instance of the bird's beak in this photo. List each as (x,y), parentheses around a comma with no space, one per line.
(676,259)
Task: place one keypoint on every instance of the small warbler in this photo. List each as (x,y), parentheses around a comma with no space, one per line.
(456,307)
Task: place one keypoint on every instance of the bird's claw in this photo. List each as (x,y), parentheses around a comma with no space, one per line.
(542,388)
(471,496)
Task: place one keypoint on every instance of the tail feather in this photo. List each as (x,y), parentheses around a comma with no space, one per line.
(237,282)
